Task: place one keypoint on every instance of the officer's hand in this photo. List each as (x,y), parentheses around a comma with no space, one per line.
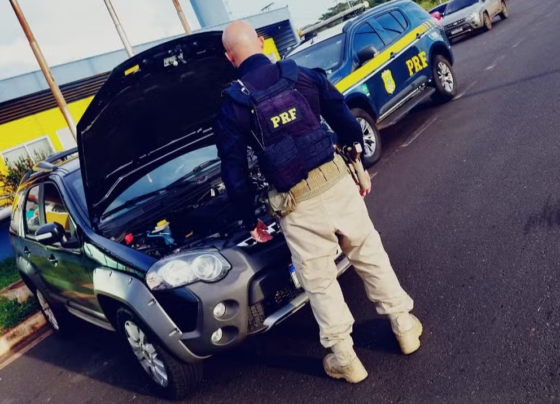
(260,233)
(365,192)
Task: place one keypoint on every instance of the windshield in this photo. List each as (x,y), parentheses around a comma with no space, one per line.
(326,55)
(188,166)
(456,5)
(168,173)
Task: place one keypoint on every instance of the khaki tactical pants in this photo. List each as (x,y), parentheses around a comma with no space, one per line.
(311,232)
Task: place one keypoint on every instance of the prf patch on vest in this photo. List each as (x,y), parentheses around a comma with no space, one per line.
(288,117)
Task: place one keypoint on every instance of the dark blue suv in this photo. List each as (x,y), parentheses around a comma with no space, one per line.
(385,61)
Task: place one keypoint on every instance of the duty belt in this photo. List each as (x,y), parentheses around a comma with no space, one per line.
(320,179)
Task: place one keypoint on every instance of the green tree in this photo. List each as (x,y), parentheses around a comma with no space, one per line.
(9,182)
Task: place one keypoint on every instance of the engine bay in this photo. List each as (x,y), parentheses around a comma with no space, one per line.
(204,217)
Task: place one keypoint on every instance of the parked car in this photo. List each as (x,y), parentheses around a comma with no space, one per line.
(137,234)
(464,16)
(438,12)
(385,61)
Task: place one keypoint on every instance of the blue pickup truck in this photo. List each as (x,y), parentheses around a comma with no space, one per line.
(385,61)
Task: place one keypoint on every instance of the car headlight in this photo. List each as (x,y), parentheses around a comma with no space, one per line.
(474,17)
(184,269)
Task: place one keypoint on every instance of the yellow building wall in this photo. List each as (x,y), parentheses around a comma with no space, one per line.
(35,126)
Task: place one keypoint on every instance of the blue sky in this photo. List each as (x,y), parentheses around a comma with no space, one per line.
(74,29)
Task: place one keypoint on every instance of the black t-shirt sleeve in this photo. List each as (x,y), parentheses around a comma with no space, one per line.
(335,111)
(232,150)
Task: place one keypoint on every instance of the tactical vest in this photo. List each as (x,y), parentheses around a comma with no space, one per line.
(291,141)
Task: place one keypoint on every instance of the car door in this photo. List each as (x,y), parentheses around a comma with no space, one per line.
(33,251)
(366,36)
(409,62)
(65,273)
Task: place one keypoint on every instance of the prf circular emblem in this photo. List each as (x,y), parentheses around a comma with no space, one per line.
(390,85)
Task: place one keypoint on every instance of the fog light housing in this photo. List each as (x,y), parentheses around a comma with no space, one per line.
(220,310)
(217,336)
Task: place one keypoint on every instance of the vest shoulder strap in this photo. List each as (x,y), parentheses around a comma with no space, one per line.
(239,93)
(289,70)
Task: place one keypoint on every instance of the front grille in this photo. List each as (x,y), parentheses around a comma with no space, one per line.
(270,304)
(455,24)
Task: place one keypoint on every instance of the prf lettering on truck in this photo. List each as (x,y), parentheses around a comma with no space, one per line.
(417,63)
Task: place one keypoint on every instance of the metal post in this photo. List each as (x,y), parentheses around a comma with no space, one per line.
(45,68)
(182,17)
(119,28)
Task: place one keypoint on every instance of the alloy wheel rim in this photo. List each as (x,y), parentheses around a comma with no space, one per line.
(487,21)
(146,354)
(47,310)
(445,77)
(370,141)
(504,9)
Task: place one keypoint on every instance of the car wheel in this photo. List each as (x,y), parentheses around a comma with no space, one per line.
(505,13)
(171,377)
(372,141)
(445,81)
(57,318)
(487,22)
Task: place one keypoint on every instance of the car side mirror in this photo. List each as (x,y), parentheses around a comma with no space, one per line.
(366,54)
(50,233)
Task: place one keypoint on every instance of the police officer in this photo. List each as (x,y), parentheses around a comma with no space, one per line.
(275,109)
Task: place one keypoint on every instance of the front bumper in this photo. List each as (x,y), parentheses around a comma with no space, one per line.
(258,293)
(462,27)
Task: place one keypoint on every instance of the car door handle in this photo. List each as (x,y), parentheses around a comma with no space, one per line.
(26,252)
(392,55)
(53,260)
(418,35)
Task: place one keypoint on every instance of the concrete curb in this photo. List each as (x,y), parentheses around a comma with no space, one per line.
(23,331)
(16,290)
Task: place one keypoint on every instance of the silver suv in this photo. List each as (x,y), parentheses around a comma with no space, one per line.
(463,16)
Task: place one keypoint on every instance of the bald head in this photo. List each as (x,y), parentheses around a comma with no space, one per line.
(241,42)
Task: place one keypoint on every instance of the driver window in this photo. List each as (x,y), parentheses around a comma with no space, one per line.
(366,36)
(32,214)
(55,210)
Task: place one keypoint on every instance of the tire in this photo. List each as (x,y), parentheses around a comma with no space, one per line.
(487,26)
(445,81)
(504,14)
(170,377)
(372,140)
(58,318)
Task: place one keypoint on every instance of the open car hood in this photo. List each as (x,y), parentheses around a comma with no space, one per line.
(154,107)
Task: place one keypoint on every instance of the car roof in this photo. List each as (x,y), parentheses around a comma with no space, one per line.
(344,26)
(63,169)
(320,37)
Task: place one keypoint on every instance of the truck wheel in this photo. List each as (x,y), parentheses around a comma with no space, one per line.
(172,378)
(58,318)
(372,141)
(445,81)
(505,13)
(487,22)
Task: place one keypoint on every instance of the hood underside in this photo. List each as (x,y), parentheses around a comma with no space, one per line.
(154,107)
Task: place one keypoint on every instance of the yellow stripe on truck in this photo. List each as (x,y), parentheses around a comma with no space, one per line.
(379,60)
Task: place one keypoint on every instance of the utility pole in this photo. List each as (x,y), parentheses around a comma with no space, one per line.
(59,98)
(182,17)
(119,28)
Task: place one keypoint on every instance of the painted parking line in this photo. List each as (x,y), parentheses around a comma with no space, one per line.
(474,83)
(18,354)
(420,130)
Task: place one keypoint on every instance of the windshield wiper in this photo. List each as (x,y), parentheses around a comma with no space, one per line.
(205,164)
(161,191)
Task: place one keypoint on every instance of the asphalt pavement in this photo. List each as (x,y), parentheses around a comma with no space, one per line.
(467,201)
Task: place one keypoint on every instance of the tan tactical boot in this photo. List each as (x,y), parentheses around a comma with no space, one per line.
(407,329)
(345,365)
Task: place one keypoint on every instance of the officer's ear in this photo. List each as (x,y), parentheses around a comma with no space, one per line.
(261,39)
(230,58)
